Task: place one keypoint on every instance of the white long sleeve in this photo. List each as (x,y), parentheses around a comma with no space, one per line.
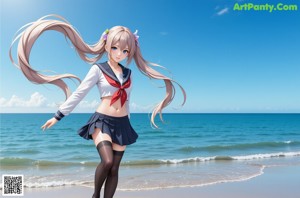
(85,86)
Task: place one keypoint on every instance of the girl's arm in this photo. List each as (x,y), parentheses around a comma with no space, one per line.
(89,81)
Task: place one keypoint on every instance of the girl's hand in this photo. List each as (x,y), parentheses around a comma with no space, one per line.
(49,124)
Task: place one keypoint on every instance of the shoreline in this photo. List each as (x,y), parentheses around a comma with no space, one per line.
(275,182)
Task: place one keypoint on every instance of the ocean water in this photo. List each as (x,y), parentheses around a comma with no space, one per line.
(188,150)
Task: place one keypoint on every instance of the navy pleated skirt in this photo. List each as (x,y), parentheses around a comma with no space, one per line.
(118,128)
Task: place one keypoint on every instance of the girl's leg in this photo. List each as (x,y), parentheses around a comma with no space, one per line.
(112,178)
(104,147)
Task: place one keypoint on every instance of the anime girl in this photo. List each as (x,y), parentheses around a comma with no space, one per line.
(109,127)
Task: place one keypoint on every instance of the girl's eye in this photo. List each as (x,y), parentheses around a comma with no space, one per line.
(125,51)
(114,48)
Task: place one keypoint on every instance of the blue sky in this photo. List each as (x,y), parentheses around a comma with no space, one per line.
(228,61)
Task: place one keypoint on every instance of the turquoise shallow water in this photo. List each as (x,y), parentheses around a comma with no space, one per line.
(189,150)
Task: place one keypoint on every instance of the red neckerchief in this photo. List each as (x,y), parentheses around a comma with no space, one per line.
(120,93)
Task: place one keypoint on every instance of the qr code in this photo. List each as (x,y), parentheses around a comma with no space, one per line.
(12,185)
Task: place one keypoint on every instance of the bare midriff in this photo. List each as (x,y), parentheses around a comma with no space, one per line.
(112,110)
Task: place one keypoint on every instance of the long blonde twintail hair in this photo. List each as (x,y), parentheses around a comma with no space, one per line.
(116,34)
(31,34)
(144,67)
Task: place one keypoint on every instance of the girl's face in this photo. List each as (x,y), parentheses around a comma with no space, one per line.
(117,54)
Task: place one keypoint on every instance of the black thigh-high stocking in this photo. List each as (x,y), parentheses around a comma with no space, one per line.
(106,154)
(112,177)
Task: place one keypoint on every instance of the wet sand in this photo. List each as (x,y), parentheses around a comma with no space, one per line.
(276,182)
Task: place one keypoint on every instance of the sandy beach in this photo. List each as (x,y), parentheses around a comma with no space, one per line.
(276,182)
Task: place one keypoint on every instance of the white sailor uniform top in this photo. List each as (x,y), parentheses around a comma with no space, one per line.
(108,83)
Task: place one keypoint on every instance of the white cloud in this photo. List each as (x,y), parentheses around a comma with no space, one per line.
(2,101)
(35,100)
(140,108)
(53,105)
(223,11)
(39,103)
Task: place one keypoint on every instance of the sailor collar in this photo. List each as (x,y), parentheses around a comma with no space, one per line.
(112,79)
(105,68)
